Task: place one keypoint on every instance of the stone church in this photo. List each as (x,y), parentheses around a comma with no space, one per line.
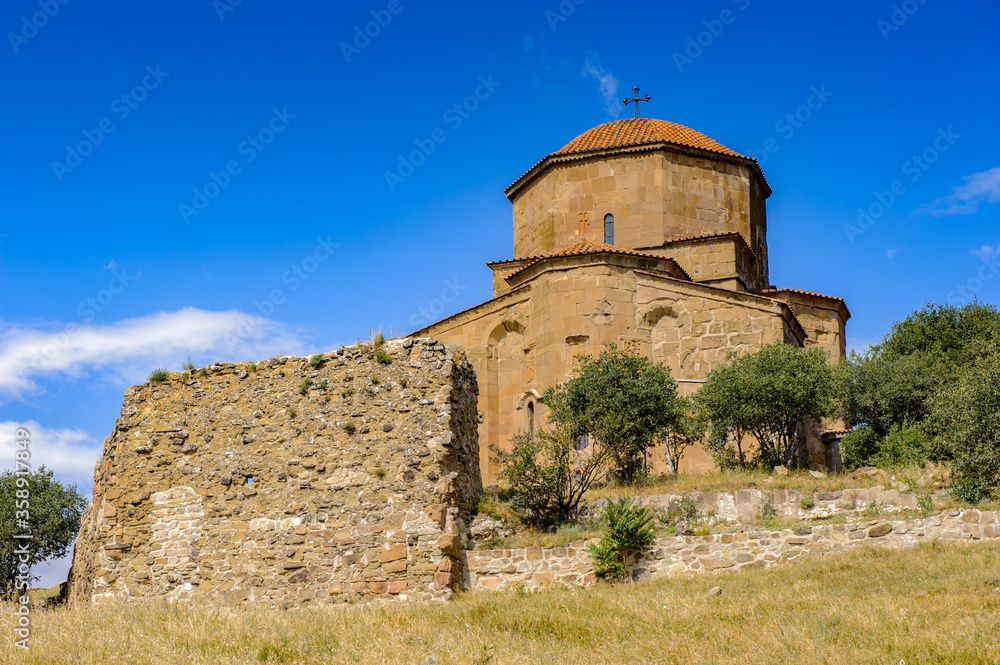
(647,234)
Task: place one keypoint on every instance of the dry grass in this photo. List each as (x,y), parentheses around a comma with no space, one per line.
(930,604)
(728,481)
(525,536)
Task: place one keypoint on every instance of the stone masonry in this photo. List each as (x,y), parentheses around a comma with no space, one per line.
(287,483)
(541,567)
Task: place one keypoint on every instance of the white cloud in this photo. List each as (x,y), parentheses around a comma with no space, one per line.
(892,252)
(986,252)
(965,199)
(129,349)
(607,83)
(69,453)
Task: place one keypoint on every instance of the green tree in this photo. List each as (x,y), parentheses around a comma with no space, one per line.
(968,414)
(546,475)
(625,401)
(892,385)
(687,428)
(770,395)
(38,504)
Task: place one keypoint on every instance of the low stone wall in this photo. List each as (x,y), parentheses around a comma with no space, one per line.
(288,482)
(538,567)
(744,505)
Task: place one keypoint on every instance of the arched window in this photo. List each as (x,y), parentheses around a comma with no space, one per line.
(531,417)
(609,229)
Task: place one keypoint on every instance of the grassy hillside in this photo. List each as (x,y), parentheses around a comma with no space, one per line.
(930,604)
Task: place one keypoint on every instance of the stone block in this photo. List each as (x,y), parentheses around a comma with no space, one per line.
(716,564)
(395,566)
(442,580)
(394,553)
(450,544)
(880,530)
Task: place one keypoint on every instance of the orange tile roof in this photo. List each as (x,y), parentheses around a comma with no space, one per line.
(812,293)
(642,131)
(712,236)
(633,133)
(584,247)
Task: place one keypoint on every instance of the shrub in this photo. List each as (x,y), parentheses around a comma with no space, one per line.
(188,366)
(901,447)
(316,360)
(304,387)
(725,456)
(203,372)
(873,509)
(926,503)
(546,476)
(766,512)
(685,509)
(807,503)
(347,392)
(159,375)
(969,414)
(380,472)
(628,531)
(378,339)
(350,427)
(375,380)
(382,357)
(858,447)
(402,383)
(292,413)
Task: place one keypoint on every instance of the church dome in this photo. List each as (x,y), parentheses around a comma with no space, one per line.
(633,135)
(641,131)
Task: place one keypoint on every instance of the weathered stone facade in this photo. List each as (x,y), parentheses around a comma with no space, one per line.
(680,275)
(288,483)
(540,567)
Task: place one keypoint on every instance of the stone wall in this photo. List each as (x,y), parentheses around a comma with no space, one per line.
(539,567)
(285,483)
(744,505)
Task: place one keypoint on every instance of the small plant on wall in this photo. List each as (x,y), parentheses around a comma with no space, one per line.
(628,531)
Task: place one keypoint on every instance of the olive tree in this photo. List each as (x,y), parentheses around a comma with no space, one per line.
(626,402)
(771,395)
(546,474)
(39,505)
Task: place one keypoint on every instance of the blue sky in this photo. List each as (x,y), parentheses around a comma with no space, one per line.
(208,180)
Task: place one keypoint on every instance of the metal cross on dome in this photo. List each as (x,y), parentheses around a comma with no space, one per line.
(636,100)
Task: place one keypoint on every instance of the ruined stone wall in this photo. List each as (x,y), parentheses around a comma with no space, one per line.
(539,567)
(287,483)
